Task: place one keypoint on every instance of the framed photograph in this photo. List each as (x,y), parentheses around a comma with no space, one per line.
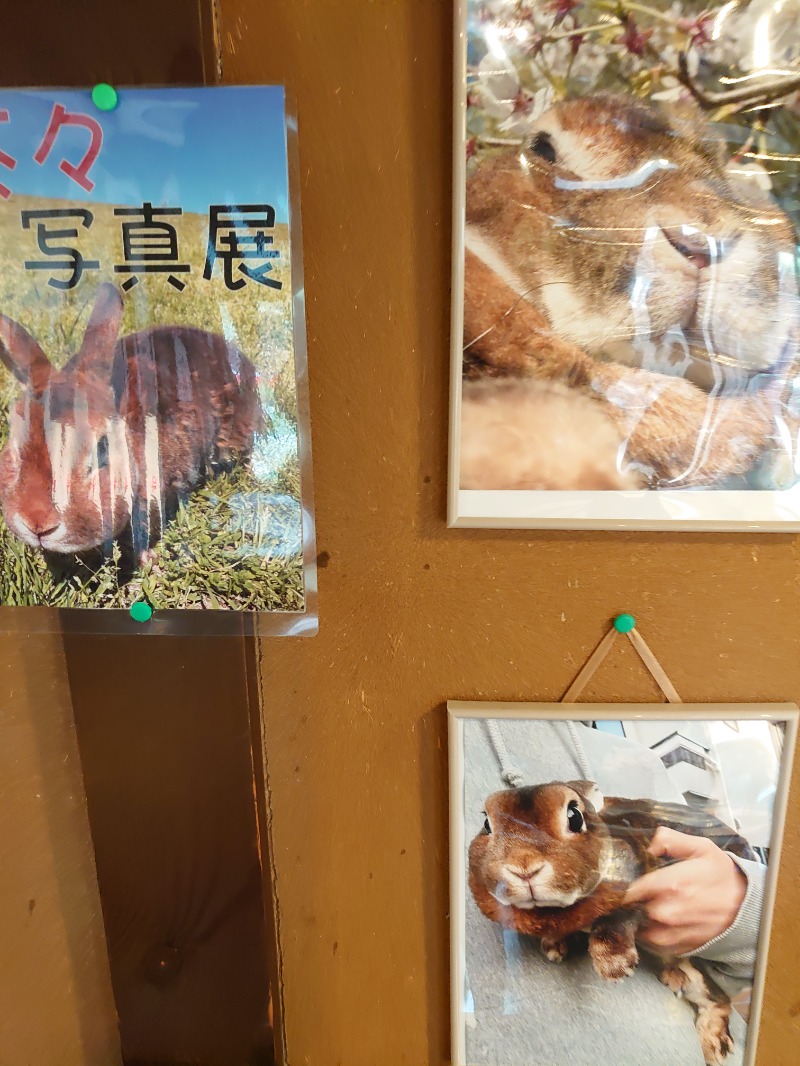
(613,872)
(625,300)
(154,425)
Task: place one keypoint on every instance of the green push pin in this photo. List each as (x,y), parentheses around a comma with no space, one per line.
(104,97)
(624,623)
(141,611)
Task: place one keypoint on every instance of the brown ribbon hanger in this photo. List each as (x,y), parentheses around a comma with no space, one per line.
(623,624)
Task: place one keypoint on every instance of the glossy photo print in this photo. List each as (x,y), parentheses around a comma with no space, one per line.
(153,415)
(625,320)
(612,881)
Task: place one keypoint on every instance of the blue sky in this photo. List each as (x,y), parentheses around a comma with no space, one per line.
(172,147)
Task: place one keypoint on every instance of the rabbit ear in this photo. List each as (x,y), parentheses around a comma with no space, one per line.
(20,353)
(97,351)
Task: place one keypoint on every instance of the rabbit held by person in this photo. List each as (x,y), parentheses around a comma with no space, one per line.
(107,447)
(618,251)
(555,860)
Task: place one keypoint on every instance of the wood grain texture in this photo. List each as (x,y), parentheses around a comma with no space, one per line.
(172,807)
(412,614)
(55,987)
(84,42)
(164,730)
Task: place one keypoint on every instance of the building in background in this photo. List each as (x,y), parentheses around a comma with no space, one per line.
(729,769)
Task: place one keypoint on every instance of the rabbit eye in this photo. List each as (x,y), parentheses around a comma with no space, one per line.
(102,453)
(542,145)
(575,818)
(486,827)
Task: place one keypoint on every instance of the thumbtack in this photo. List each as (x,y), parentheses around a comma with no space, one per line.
(624,623)
(141,611)
(104,97)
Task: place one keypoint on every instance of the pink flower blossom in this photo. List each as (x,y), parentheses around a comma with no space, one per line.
(562,8)
(522,103)
(634,39)
(698,29)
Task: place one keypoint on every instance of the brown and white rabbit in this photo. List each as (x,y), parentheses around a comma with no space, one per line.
(555,860)
(503,425)
(616,250)
(128,428)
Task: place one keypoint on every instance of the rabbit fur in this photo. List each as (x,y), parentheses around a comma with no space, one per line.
(503,422)
(107,446)
(555,860)
(617,254)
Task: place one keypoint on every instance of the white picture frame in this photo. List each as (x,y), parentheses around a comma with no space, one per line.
(697,509)
(770,726)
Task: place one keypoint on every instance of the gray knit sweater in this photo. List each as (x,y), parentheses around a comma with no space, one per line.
(522,1010)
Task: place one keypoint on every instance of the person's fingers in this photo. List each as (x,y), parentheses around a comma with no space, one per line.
(657,936)
(662,938)
(641,890)
(664,912)
(650,886)
(677,845)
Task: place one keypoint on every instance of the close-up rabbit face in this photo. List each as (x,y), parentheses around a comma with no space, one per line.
(541,846)
(634,235)
(128,428)
(66,470)
(65,481)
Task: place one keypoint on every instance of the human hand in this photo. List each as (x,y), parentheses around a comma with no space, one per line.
(692,901)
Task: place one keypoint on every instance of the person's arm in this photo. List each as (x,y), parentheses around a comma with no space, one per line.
(733,951)
(708,903)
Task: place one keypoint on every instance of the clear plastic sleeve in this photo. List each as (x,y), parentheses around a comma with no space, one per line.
(613,881)
(625,326)
(154,417)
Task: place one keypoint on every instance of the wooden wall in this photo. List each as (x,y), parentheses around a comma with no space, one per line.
(412,614)
(161,729)
(56,1004)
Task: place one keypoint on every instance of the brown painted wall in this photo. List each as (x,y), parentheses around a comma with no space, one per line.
(412,614)
(171,800)
(50,42)
(55,987)
(164,738)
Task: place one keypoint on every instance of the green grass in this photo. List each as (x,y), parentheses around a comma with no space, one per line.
(227,547)
(202,561)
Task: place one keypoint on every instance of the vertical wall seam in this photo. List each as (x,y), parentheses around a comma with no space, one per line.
(216,24)
(273,867)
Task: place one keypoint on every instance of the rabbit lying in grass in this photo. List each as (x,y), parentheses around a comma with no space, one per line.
(105,448)
(616,252)
(555,860)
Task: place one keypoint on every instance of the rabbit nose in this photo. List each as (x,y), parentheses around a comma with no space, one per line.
(701,249)
(529,873)
(40,528)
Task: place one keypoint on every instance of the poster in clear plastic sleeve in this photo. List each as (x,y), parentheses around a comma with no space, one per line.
(613,872)
(626,325)
(154,424)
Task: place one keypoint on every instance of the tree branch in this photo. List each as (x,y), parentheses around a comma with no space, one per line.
(763,94)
